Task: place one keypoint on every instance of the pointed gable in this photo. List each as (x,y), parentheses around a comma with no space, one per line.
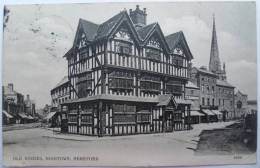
(126,23)
(90,29)
(105,28)
(144,31)
(178,39)
(86,27)
(166,100)
(156,31)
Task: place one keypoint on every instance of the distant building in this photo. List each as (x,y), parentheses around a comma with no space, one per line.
(225,98)
(241,106)
(15,107)
(30,108)
(192,93)
(252,106)
(61,92)
(13,104)
(216,94)
(224,93)
(206,81)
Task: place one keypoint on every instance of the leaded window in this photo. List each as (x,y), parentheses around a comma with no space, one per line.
(153,54)
(177,60)
(150,83)
(123,48)
(174,87)
(121,80)
(86,119)
(84,84)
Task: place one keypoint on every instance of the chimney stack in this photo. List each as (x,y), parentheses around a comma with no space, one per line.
(138,16)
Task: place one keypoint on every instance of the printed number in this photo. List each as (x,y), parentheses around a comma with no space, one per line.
(237,157)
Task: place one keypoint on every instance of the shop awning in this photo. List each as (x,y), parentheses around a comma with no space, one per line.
(208,112)
(196,113)
(30,117)
(164,100)
(183,101)
(216,112)
(50,115)
(22,115)
(7,114)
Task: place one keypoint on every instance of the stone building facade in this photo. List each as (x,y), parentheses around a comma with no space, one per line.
(192,92)
(225,98)
(241,106)
(206,81)
(15,107)
(13,101)
(216,93)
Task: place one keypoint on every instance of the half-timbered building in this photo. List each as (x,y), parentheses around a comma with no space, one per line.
(127,77)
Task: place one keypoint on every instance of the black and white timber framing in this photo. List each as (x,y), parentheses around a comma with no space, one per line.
(126,78)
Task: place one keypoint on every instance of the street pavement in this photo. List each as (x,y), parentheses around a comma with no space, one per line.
(21,126)
(43,147)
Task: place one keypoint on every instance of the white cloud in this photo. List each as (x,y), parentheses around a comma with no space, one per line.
(197,33)
(242,74)
(240,57)
(33,56)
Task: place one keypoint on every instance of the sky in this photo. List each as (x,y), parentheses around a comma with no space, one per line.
(37,37)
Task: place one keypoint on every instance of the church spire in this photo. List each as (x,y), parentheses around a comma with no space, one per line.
(214,62)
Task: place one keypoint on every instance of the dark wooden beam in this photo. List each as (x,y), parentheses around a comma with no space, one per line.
(99,79)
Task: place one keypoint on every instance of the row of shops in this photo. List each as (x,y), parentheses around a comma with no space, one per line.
(19,118)
(206,116)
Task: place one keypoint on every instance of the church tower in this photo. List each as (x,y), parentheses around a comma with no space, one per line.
(214,62)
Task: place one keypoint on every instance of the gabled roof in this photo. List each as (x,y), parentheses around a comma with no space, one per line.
(95,32)
(105,28)
(176,38)
(164,100)
(204,71)
(224,83)
(68,53)
(157,29)
(143,32)
(89,28)
(173,39)
(62,81)
(239,92)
